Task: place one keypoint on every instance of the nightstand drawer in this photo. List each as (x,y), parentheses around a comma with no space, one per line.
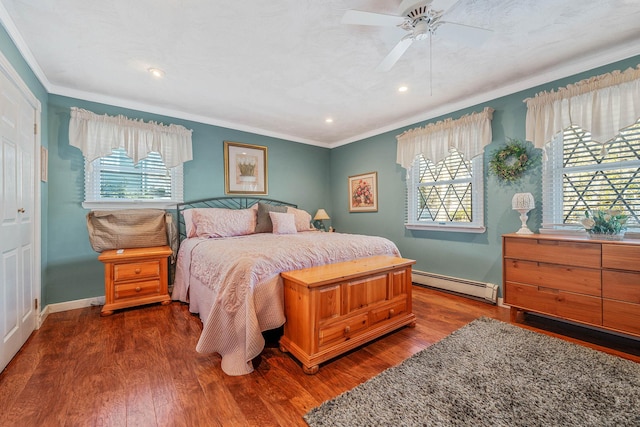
(137,289)
(136,270)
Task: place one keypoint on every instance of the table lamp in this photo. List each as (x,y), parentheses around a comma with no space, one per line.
(523,203)
(321,215)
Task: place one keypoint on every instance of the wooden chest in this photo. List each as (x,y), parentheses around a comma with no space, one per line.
(333,308)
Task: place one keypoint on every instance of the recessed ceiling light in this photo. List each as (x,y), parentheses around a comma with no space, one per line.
(403,89)
(329,120)
(156,72)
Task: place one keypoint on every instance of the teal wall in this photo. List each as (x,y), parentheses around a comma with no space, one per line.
(466,255)
(12,54)
(310,176)
(296,173)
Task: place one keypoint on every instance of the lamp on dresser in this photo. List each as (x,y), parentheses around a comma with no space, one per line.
(523,203)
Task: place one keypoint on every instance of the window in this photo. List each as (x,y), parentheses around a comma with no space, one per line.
(446,196)
(581,174)
(115,179)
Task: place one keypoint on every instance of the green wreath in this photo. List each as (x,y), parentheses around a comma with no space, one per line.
(510,162)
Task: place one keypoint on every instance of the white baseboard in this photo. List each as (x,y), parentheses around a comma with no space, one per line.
(69,305)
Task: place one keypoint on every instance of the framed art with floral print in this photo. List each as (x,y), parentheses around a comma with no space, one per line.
(245,168)
(363,192)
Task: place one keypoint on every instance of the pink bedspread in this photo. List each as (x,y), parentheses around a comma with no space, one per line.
(234,284)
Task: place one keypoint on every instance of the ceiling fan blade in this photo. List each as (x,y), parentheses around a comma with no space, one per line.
(358,17)
(389,61)
(462,33)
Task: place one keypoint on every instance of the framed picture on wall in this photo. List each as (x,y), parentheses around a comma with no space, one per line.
(245,168)
(363,192)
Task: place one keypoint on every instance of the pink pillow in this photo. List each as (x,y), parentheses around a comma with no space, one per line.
(283,223)
(189,226)
(219,222)
(302,218)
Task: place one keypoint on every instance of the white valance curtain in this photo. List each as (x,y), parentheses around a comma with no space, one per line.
(468,134)
(96,136)
(602,105)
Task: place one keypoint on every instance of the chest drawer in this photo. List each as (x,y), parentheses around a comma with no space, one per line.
(387,312)
(566,305)
(621,257)
(581,254)
(567,278)
(342,330)
(136,270)
(622,316)
(621,286)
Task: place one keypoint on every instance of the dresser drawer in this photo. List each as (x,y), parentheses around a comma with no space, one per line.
(581,254)
(567,278)
(136,289)
(554,302)
(136,270)
(388,311)
(342,330)
(621,286)
(622,316)
(622,257)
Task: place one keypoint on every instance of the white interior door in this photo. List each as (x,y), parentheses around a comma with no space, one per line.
(18,218)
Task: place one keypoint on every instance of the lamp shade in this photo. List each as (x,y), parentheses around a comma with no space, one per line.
(320,215)
(524,201)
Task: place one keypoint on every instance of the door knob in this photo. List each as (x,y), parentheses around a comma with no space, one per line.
(21,210)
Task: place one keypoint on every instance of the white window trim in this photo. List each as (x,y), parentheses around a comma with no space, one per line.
(177,189)
(552,192)
(477,204)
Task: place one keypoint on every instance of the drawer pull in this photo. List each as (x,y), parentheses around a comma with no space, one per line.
(138,289)
(549,290)
(392,312)
(138,271)
(347,329)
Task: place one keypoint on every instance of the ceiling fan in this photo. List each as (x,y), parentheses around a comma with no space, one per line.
(421,20)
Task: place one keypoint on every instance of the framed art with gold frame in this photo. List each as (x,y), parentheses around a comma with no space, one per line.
(245,168)
(363,192)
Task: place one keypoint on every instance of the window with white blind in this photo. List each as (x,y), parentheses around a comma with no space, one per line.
(115,180)
(446,196)
(580,174)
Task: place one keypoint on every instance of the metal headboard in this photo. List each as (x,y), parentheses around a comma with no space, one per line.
(227,202)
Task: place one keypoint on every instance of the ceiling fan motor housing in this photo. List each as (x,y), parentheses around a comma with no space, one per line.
(421,21)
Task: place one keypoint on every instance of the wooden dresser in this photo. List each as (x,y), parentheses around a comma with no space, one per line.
(334,308)
(595,282)
(135,277)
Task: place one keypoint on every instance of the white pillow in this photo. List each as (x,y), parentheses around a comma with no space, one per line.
(219,222)
(283,223)
(302,219)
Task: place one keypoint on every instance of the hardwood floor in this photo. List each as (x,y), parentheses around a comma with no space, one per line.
(139,367)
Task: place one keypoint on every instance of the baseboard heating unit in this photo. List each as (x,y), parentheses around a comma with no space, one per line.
(484,291)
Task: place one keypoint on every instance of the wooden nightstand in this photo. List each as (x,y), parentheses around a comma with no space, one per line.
(135,277)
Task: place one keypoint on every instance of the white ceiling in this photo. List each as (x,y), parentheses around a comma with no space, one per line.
(281,67)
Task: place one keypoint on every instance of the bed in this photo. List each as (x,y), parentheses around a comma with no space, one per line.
(232,251)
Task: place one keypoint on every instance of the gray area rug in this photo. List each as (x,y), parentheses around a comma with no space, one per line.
(490,373)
